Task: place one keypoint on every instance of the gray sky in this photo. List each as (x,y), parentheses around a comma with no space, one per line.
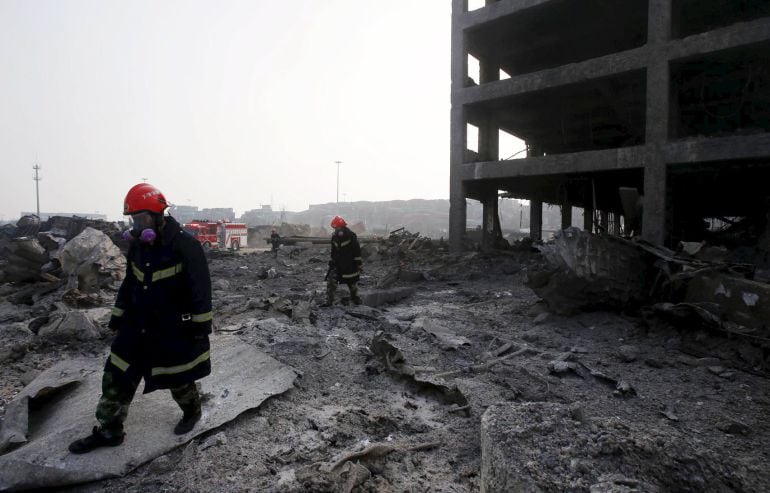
(227,103)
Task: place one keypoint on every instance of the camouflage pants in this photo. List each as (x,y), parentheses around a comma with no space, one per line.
(331,288)
(112,409)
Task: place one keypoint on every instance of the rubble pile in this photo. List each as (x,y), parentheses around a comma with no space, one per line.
(454,375)
(401,241)
(700,282)
(70,227)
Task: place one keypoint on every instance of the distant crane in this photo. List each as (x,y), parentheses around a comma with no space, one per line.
(37,179)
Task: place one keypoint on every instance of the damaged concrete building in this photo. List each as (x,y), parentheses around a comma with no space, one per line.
(661,104)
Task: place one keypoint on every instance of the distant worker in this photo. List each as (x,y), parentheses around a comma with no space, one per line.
(275,241)
(162,317)
(346,263)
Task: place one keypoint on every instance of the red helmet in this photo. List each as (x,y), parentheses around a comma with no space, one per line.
(144,197)
(338,222)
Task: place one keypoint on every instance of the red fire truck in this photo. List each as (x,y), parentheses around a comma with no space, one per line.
(218,234)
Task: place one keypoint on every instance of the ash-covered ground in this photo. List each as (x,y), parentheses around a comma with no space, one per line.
(607,402)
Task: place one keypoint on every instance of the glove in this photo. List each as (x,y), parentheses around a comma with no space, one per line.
(360,268)
(331,264)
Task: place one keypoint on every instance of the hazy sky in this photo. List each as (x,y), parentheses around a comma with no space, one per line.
(226,103)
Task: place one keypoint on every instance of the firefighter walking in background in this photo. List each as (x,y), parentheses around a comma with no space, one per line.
(346,263)
(162,317)
(275,242)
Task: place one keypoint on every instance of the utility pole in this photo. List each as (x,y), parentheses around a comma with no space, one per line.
(37,179)
(338,180)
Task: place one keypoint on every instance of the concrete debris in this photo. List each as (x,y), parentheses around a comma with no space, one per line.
(589,271)
(444,336)
(70,326)
(594,272)
(669,413)
(378,297)
(213,441)
(23,259)
(560,367)
(27,226)
(740,301)
(691,248)
(628,353)
(394,362)
(733,426)
(379,450)
(621,387)
(52,244)
(352,476)
(220,284)
(92,261)
(17,339)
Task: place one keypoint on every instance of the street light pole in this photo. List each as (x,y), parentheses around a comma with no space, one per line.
(37,179)
(338,180)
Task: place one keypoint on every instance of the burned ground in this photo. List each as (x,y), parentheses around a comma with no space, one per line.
(469,372)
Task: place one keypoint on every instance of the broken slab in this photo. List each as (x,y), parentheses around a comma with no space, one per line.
(740,301)
(444,336)
(242,378)
(589,271)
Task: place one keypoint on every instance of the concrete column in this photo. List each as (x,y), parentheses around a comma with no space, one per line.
(536,220)
(588,220)
(566,215)
(490,221)
(458,130)
(616,224)
(604,220)
(657,130)
(489,139)
(489,70)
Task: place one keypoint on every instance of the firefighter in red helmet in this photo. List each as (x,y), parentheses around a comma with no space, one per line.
(346,263)
(162,318)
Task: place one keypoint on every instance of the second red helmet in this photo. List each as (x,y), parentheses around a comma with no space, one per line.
(338,222)
(144,197)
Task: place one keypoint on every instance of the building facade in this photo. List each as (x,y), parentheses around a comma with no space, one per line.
(650,114)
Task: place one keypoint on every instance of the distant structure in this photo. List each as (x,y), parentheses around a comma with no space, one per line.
(650,114)
(265,215)
(217,214)
(44,216)
(186,213)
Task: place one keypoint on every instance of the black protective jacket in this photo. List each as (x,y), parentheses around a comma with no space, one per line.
(275,240)
(163,312)
(346,255)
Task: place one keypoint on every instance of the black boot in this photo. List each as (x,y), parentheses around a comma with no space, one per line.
(97,438)
(187,423)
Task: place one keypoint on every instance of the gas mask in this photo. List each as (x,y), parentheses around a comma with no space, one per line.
(144,225)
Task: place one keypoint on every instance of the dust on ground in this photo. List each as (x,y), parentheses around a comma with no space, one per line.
(672,408)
